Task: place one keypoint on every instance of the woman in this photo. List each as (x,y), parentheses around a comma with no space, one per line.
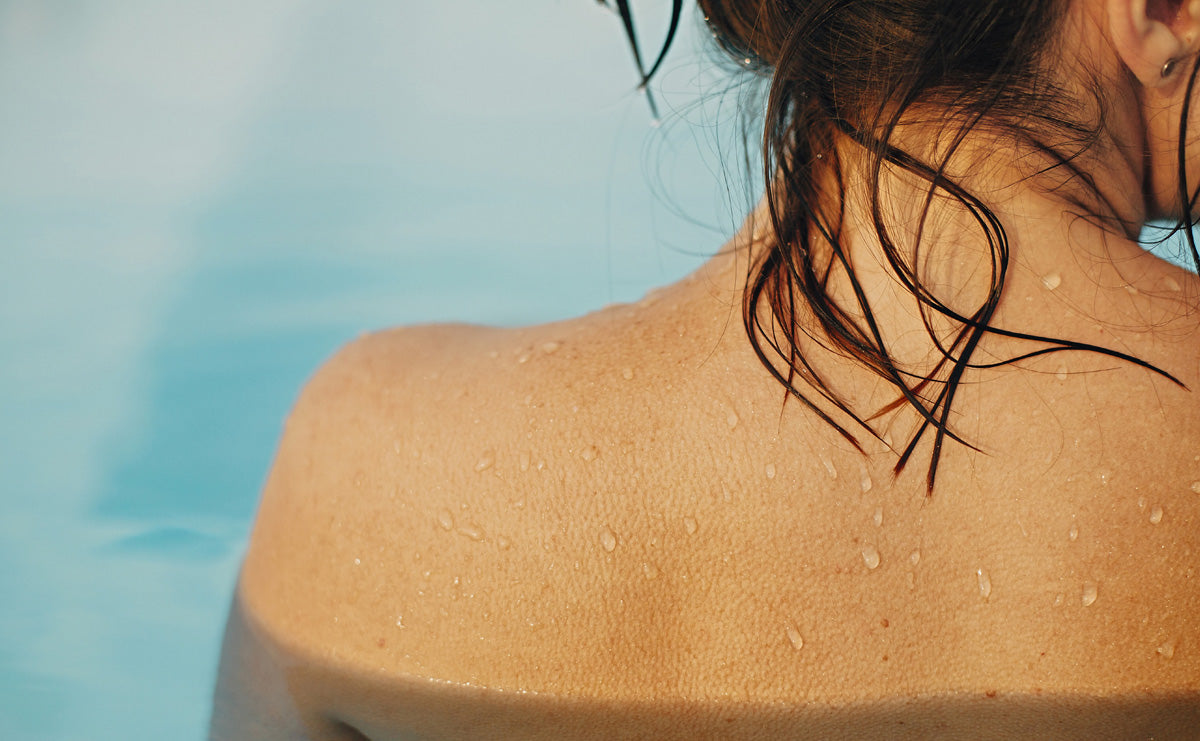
(944,483)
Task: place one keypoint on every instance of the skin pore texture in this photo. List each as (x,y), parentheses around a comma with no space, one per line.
(614,527)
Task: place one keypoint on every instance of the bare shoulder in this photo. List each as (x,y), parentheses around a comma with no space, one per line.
(431,480)
(443,501)
(384,444)
(613,510)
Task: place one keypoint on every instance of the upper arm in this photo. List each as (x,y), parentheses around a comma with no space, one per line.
(299,601)
(252,698)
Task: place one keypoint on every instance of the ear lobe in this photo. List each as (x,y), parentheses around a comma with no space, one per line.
(1150,34)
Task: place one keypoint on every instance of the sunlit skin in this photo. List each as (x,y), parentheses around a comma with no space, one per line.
(612,526)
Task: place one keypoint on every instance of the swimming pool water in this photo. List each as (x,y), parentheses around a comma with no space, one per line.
(202,200)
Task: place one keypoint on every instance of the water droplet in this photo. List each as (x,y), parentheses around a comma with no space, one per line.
(550,347)
(878,517)
(794,637)
(829,467)
(589,453)
(1073,533)
(731,419)
(870,556)
(650,570)
(1059,598)
(358,562)
(627,374)
(486,460)
(399,621)
(1061,374)
(985,583)
(1132,290)
(1052,281)
(1090,592)
(472,531)
(503,543)
(1104,475)
(1167,649)
(445,519)
(1156,515)
(1196,486)
(770,470)
(523,358)
(608,540)
(864,478)
(914,557)
(690,525)
(523,460)
(1141,503)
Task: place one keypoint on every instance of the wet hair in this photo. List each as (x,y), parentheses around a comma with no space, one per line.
(845,74)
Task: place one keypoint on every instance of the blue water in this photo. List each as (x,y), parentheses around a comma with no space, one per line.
(202,200)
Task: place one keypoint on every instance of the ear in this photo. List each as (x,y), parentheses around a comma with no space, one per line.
(1151,34)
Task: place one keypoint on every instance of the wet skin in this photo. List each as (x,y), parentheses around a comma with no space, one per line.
(613,527)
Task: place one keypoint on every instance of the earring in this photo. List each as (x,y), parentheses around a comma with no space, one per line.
(1169,68)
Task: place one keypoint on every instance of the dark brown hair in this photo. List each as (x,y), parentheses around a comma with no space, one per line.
(847,72)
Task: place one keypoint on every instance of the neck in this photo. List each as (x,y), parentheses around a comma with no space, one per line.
(1057,254)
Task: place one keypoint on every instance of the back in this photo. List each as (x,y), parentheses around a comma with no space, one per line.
(613,526)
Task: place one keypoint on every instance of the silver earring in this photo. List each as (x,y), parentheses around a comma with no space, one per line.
(1169,68)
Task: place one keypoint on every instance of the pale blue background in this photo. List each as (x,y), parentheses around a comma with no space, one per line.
(201,200)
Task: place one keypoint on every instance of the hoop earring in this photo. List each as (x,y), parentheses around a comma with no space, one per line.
(1169,68)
